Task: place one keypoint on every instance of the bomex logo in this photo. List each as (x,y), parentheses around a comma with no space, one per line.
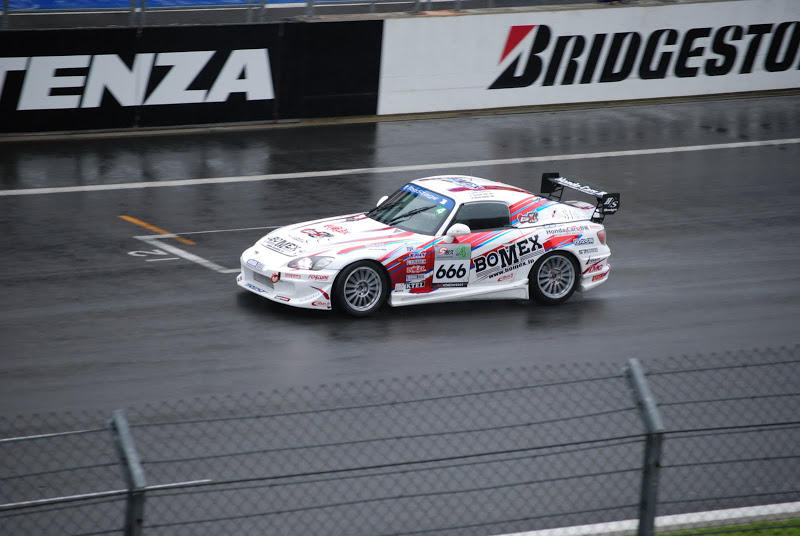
(508,255)
(548,59)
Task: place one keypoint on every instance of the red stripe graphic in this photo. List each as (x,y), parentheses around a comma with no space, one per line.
(515,35)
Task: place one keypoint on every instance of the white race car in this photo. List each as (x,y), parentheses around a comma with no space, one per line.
(438,239)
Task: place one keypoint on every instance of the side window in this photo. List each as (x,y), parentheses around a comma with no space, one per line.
(483,216)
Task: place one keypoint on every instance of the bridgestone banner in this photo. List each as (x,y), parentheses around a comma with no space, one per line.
(601,53)
(67,80)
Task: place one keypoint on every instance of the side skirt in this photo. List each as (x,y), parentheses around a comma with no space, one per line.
(517,290)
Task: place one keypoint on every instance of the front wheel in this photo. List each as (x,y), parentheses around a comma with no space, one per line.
(553,279)
(360,289)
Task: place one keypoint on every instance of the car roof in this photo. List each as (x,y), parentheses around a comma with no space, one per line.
(464,188)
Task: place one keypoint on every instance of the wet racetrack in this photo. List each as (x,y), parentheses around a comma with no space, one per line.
(704,250)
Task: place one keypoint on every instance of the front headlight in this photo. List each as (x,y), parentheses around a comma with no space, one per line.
(310,263)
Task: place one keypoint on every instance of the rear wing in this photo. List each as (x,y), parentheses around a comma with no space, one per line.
(553,185)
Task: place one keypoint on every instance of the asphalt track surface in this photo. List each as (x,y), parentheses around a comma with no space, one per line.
(99,312)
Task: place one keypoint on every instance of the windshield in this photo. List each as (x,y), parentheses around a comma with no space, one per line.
(414,209)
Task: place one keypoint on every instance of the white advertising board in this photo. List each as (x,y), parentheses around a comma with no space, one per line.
(601,53)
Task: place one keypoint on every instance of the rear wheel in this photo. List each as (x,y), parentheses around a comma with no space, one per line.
(360,289)
(553,279)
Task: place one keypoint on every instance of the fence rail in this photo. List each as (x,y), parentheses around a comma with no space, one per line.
(29,14)
(488,452)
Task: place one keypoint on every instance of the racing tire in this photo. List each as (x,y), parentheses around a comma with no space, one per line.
(553,279)
(360,289)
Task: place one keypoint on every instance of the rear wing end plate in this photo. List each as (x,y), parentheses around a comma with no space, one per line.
(553,185)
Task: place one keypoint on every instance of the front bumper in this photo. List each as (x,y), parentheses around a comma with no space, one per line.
(310,289)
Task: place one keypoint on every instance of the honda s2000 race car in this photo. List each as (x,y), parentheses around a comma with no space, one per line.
(437,239)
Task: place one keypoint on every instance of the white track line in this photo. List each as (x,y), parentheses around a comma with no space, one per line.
(713,518)
(154,241)
(394,169)
(226,230)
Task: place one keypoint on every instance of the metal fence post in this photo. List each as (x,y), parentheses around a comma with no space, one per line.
(143,13)
(132,470)
(654,436)
(4,16)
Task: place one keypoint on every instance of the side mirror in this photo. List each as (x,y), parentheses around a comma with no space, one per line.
(381,200)
(459,229)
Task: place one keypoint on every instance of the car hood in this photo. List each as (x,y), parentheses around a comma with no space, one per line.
(334,236)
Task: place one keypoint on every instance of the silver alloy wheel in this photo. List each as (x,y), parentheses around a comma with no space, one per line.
(556,277)
(363,288)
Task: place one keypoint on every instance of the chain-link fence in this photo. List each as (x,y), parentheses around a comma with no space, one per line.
(479,453)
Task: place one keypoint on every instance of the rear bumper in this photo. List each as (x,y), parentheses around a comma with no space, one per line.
(590,281)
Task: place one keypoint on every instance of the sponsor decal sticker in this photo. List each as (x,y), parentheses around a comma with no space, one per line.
(587,251)
(255,264)
(337,229)
(292,276)
(417,261)
(451,265)
(464,183)
(599,277)
(323,304)
(408,286)
(313,233)
(253,287)
(315,277)
(281,245)
(610,205)
(417,269)
(568,230)
(446,202)
(584,241)
(508,258)
(593,268)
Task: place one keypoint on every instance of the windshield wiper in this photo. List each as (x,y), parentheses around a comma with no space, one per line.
(402,217)
(384,206)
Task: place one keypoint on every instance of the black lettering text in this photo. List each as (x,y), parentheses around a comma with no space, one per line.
(688,50)
(757,31)
(633,40)
(774,65)
(726,50)
(646,70)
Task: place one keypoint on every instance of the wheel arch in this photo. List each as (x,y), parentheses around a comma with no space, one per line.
(533,291)
(576,262)
(338,283)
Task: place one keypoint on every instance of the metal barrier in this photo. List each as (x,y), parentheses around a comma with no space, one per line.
(488,452)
